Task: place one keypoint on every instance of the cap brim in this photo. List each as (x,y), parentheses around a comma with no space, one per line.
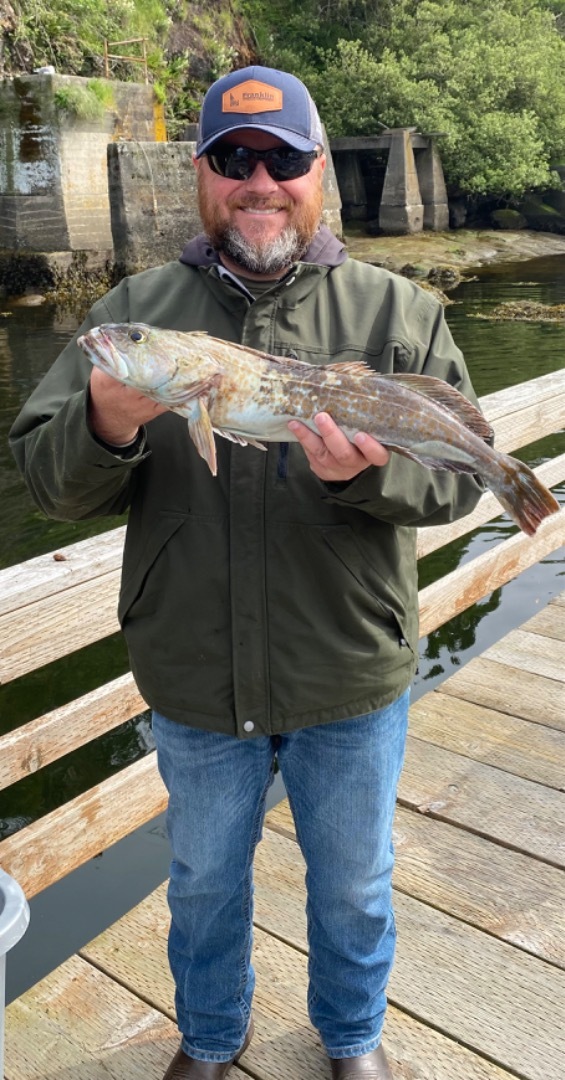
(298,142)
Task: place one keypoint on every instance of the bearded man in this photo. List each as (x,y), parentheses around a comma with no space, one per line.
(270,612)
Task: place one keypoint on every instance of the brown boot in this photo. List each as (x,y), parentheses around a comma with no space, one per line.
(373,1066)
(183,1067)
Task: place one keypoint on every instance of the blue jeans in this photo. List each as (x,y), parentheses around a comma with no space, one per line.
(341,782)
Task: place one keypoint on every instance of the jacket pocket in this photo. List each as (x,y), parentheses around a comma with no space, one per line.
(136,570)
(386,601)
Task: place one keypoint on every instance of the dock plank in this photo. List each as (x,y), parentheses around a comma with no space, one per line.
(550,622)
(497,1001)
(285,1046)
(530,652)
(518,813)
(78,1024)
(510,690)
(530,750)
(507,894)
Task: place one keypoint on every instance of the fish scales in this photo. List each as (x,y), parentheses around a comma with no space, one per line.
(248,396)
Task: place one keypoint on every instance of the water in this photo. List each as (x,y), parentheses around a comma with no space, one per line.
(498,355)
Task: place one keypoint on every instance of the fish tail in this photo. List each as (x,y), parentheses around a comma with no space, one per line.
(522,495)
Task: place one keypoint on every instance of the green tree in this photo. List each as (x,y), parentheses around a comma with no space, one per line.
(490,77)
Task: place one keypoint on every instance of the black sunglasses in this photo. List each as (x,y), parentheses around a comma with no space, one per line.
(240,162)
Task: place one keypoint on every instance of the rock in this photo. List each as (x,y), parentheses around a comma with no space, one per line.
(541,216)
(413,270)
(508,219)
(28,300)
(525,311)
(444,276)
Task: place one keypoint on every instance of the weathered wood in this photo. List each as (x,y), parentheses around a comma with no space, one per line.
(486,682)
(519,813)
(511,896)
(77,1024)
(28,748)
(550,623)
(285,1047)
(455,592)
(46,850)
(530,652)
(508,742)
(489,996)
(47,575)
(58,625)
(514,400)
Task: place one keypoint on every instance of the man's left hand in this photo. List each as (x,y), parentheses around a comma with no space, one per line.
(333,458)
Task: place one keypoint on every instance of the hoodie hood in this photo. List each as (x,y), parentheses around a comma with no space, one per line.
(325,250)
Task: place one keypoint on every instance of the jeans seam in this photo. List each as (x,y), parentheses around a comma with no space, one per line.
(246,902)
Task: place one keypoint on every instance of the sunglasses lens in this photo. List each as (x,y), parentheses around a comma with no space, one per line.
(282,163)
(290,164)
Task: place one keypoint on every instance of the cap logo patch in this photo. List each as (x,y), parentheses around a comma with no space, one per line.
(252,97)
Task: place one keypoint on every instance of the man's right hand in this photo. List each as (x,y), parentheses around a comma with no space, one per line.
(116,411)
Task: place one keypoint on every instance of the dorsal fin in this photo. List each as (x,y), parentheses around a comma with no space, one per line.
(448,397)
(351,367)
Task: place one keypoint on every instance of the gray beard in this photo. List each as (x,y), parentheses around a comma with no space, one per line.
(273,258)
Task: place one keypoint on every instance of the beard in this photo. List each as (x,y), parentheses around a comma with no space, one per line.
(255,253)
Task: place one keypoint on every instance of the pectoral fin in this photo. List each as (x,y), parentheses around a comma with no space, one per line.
(202,434)
(241,440)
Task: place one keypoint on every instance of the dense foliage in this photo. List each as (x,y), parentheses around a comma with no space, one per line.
(188,45)
(489,77)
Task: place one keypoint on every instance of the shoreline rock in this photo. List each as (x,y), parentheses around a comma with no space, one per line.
(464,249)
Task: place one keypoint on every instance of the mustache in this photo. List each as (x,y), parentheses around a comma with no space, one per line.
(256,202)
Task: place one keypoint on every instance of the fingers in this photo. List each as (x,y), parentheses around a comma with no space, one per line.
(331,455)
(117,411)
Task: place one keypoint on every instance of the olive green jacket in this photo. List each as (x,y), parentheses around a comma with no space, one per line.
(262,600)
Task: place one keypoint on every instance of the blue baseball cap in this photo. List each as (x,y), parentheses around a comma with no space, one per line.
(262,98)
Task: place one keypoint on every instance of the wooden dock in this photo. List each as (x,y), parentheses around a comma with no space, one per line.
(478,988)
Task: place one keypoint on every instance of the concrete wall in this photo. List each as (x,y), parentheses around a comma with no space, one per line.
(53,176)
(153,201)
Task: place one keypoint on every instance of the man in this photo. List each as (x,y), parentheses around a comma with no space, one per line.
(270,612)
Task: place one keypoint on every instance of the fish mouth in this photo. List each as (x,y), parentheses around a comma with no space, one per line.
(102,352)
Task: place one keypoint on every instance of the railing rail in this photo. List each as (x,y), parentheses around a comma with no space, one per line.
(60,602)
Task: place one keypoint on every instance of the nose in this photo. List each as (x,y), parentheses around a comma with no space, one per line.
(260,181)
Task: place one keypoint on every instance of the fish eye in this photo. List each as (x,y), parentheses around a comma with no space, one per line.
(136,335)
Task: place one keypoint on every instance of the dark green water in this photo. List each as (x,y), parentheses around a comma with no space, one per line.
(498,355)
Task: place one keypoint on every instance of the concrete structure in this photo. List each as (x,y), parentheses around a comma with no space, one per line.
(401,210)
(432,188)
(153,202)
(53,174)
(414,195)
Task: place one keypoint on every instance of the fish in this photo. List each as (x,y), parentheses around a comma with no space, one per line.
(227,389)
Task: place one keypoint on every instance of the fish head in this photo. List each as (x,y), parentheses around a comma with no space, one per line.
(135,354)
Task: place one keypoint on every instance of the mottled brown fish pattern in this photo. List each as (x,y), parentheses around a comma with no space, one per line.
(249,397)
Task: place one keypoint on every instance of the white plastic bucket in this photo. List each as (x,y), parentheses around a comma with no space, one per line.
(14,919)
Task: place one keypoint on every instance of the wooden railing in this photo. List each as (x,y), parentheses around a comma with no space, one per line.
(55,604)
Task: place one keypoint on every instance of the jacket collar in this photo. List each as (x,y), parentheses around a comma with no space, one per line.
(325,250)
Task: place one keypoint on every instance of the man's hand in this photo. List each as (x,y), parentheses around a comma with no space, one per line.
(332,457)
(117,411)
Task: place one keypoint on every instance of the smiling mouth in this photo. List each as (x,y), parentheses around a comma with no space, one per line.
(262,211)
